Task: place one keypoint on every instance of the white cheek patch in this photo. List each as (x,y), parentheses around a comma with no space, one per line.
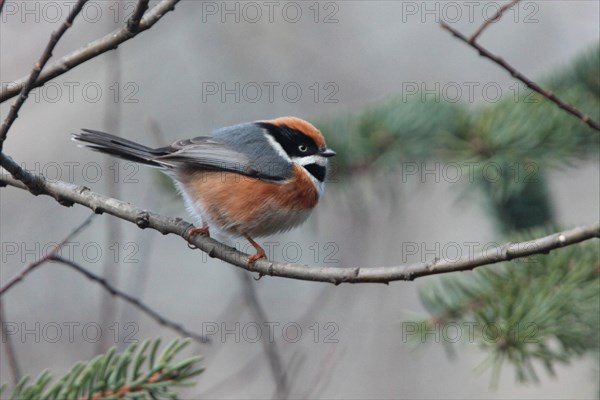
(277,147)
(314,159)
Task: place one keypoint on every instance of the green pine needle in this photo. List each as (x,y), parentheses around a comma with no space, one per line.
(546,310)
(117,375)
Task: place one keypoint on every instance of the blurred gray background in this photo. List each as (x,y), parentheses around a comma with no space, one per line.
(153,89)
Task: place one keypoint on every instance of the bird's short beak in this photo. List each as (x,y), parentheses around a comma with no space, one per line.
(327,152)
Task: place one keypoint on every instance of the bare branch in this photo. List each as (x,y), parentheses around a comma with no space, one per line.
(68,194)
(132,300)
(91,50)
(53,256)
(33,182)
(37,69)
(134,22)
(33,265)
(490,21)
(518,75)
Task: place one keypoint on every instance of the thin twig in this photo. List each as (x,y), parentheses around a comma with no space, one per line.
(132,300)
(270,347)
(69,193)
(528,82)
(490,21)
(33,265)
(11,354)
(134,22)
(91,50)
(37,69)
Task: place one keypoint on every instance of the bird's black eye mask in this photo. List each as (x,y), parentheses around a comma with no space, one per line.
(294,142)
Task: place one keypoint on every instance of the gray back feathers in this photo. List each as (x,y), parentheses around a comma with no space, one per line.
(240,148)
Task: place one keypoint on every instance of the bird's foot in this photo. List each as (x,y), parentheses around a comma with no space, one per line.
(195,231)
(260,252)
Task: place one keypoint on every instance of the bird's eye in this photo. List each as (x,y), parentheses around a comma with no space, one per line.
(303,148)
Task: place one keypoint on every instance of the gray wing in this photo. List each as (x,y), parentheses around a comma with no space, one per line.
(209,153)
(204,151)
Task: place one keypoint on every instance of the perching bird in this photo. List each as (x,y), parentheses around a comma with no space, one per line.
(253,179)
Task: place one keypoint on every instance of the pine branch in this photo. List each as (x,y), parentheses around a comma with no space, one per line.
(117,375)
(544,311)
(68,194)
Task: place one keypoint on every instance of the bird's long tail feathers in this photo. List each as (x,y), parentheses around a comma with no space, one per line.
(119,147)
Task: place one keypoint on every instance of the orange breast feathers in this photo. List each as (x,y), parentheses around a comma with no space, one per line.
(228,198)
